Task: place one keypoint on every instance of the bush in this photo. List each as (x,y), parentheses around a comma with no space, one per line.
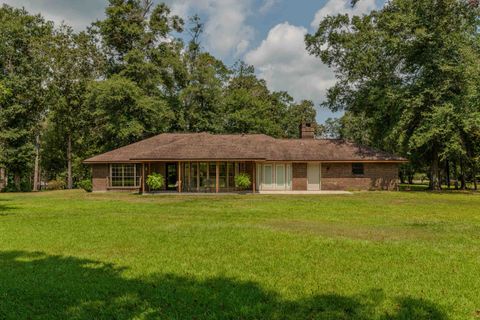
(86,185)
(56,184)
(155,181)
(242,181)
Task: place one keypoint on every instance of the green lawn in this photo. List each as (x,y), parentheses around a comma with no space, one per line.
(376,255)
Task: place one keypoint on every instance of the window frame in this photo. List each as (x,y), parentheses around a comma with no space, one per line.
(135,178)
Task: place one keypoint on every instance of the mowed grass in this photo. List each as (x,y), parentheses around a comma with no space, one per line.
(373,255)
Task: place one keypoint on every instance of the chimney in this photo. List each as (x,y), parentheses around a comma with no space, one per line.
(307,131)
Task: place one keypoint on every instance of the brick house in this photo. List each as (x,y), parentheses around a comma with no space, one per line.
(203,162)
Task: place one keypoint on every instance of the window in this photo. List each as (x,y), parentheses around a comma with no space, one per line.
(357,168)
(222,175)
(125,175)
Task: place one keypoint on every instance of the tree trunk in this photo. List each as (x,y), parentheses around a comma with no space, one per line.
(434,183)
(447,171)
(455,173)
(16,181)
(463,184)
(402,176)
(69,163)
(474,172)
(36,170)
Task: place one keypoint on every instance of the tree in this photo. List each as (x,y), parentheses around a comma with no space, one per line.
(22,110)
(408,70)
(121,114)
(75,61)
(202,92)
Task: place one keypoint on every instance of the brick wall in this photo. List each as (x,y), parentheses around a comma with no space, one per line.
(377,176)
(100,173)
(299,176)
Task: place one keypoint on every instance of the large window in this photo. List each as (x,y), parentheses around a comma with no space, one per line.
(357,168)
(124,175)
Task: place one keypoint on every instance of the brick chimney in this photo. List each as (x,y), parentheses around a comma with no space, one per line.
(307,131)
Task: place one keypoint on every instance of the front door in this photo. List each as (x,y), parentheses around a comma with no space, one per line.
(313,176)
(172,176)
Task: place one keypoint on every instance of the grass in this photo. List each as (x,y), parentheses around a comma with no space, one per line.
(376,255)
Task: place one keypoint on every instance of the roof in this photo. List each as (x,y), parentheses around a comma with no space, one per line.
(206,146)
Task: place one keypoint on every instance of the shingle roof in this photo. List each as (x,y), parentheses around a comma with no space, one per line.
(205,146)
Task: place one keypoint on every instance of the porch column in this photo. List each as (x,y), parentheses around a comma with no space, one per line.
(179,187)
(254,178)
(143,180)
(217,173)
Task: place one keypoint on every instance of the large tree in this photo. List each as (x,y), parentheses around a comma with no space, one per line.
(411,70)
(23,41)
(74,62)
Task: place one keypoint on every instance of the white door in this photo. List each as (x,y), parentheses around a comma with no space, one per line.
(280,177)
(267,177)
(313,177)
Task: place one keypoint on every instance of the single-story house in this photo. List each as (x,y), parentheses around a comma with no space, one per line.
(203,162)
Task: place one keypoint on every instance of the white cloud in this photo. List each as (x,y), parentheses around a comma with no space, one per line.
(226,31)
(78,14)
(282,60)
(334,7)
(267,5)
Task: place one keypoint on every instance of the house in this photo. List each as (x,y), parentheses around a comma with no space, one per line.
(203,162)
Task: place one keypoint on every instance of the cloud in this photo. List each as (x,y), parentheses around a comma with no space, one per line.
(282,60)
(334,7)
(267,5)
(78,14)
(226,31)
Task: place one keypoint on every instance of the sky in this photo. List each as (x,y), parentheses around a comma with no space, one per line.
(268,34)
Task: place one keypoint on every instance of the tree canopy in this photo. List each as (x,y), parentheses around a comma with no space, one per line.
(408,78)
(65,95)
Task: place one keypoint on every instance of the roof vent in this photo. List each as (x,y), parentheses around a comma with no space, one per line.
(307,131)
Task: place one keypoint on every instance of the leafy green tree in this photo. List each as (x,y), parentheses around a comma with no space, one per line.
(22,110)
(408,69)
(75,61)
(202,93)
(121,114)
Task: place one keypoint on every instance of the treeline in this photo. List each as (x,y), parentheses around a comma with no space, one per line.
(65,96)
(409,81)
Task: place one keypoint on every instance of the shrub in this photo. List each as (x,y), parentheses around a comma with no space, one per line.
(242,181)
(86,185)
(155,181)
(56,184)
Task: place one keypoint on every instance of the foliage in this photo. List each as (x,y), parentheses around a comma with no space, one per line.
(23,42)
(86,185)
(243,181)
(56,184)
(409,74)
(155,181)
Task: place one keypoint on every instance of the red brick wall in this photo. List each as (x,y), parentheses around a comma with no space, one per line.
(100,173)
(377,176)
(299,176)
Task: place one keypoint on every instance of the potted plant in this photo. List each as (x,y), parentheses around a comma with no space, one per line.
(155,181)
(242,181)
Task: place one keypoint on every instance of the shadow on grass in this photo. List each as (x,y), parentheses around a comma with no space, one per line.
(5,209)
(35,285)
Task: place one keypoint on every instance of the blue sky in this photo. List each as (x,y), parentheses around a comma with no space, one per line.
(267,34)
